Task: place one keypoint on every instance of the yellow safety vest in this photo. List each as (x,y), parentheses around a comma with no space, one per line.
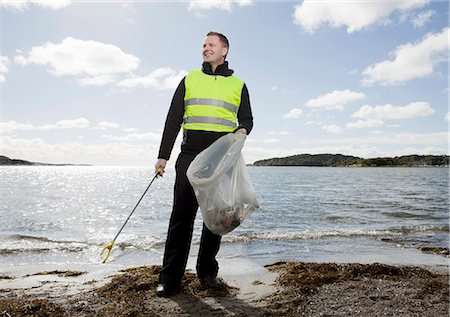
(211,102)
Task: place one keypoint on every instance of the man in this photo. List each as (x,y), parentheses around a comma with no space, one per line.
(207,103)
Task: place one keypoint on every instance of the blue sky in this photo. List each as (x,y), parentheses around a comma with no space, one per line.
(91,82)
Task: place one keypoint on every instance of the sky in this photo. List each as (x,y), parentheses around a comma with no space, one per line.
(90,82)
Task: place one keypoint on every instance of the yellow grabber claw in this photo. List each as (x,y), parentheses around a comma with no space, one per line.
(110,245)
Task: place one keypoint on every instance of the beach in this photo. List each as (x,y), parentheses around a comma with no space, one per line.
(325,242)
(279,289)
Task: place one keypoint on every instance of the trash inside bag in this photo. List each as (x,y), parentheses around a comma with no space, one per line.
(222,185)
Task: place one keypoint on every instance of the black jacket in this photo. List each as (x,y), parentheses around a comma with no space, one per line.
(195,141)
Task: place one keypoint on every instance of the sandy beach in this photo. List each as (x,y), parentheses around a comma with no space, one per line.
(279,289)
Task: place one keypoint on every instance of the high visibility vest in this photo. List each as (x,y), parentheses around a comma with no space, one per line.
(211,102)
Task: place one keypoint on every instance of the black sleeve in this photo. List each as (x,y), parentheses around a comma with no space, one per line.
(173,122)
(245,116)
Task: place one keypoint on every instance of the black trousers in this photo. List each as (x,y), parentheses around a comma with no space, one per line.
(179,235)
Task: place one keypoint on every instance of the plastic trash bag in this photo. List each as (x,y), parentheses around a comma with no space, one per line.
(222,185)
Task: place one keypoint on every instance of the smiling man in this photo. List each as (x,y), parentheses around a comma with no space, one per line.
(207,104)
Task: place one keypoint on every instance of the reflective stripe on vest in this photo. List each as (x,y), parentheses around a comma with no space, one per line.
(211,102)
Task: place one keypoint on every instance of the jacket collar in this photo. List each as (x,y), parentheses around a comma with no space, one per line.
(222,69)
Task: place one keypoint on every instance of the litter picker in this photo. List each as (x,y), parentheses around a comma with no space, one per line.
(110,245)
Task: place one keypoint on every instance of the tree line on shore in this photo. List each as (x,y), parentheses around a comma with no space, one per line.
(339,160)
(16,162)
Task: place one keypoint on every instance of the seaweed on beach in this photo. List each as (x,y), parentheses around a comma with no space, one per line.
(23,306)
(436,250)
(67,273)
(303,289)
(301,281)
(131,292)
(145,278)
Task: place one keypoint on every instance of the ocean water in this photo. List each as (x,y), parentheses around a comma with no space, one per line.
(61,217)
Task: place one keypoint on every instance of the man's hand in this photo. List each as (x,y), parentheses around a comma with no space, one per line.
(160,166)
(241,130)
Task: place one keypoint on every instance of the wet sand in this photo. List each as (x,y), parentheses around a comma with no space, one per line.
(296,289)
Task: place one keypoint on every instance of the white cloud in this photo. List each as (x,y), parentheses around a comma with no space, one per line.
(79,123)
(161,78)
(279,132)
(363,124)
(92,60)
(104,125)
(422,18)
(390,112)
(398,139)
(271,140)
(199,6)
(11,126)
(447,117)
(101,80)
(38,150)
(4,62)
(410,61)
(354,15)
(294,113)
(335,99)
(150,136)
(335,129)
(21,5)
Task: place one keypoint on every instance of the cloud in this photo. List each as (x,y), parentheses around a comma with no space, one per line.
(4,63)
(363,124)
(279,132)
(447,117)
(390,112)
(335,129)
(399,139)
(150,136)
(38,150)
(101,80)
(199,6)
(354,15)
(294,113)
(334,100)
(271,140)
(79,123)
(410,61)
(11,126)
(104,125)
(422,18)
(161,78)
(21,5)
(93,61)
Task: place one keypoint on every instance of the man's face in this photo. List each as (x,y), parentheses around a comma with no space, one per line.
(213,50)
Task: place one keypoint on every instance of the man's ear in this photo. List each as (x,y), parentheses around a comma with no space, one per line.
(224,51)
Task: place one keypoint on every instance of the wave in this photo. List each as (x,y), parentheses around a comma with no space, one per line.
(23,237)
(145,243)
(320,234)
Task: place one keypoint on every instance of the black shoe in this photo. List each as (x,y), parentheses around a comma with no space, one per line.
(210,282)
(164,290)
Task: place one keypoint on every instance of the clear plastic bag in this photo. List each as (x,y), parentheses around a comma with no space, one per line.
(222,185)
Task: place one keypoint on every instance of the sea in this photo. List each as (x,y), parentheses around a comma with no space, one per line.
(61,217)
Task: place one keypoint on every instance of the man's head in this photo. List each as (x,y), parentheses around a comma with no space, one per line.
(215,48)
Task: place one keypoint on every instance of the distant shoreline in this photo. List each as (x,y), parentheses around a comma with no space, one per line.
(339,160)
(6,161)
(390,166)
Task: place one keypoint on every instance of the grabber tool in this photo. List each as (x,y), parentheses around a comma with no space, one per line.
(111,244)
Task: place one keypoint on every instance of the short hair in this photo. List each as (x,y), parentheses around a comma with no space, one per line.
(222,38)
